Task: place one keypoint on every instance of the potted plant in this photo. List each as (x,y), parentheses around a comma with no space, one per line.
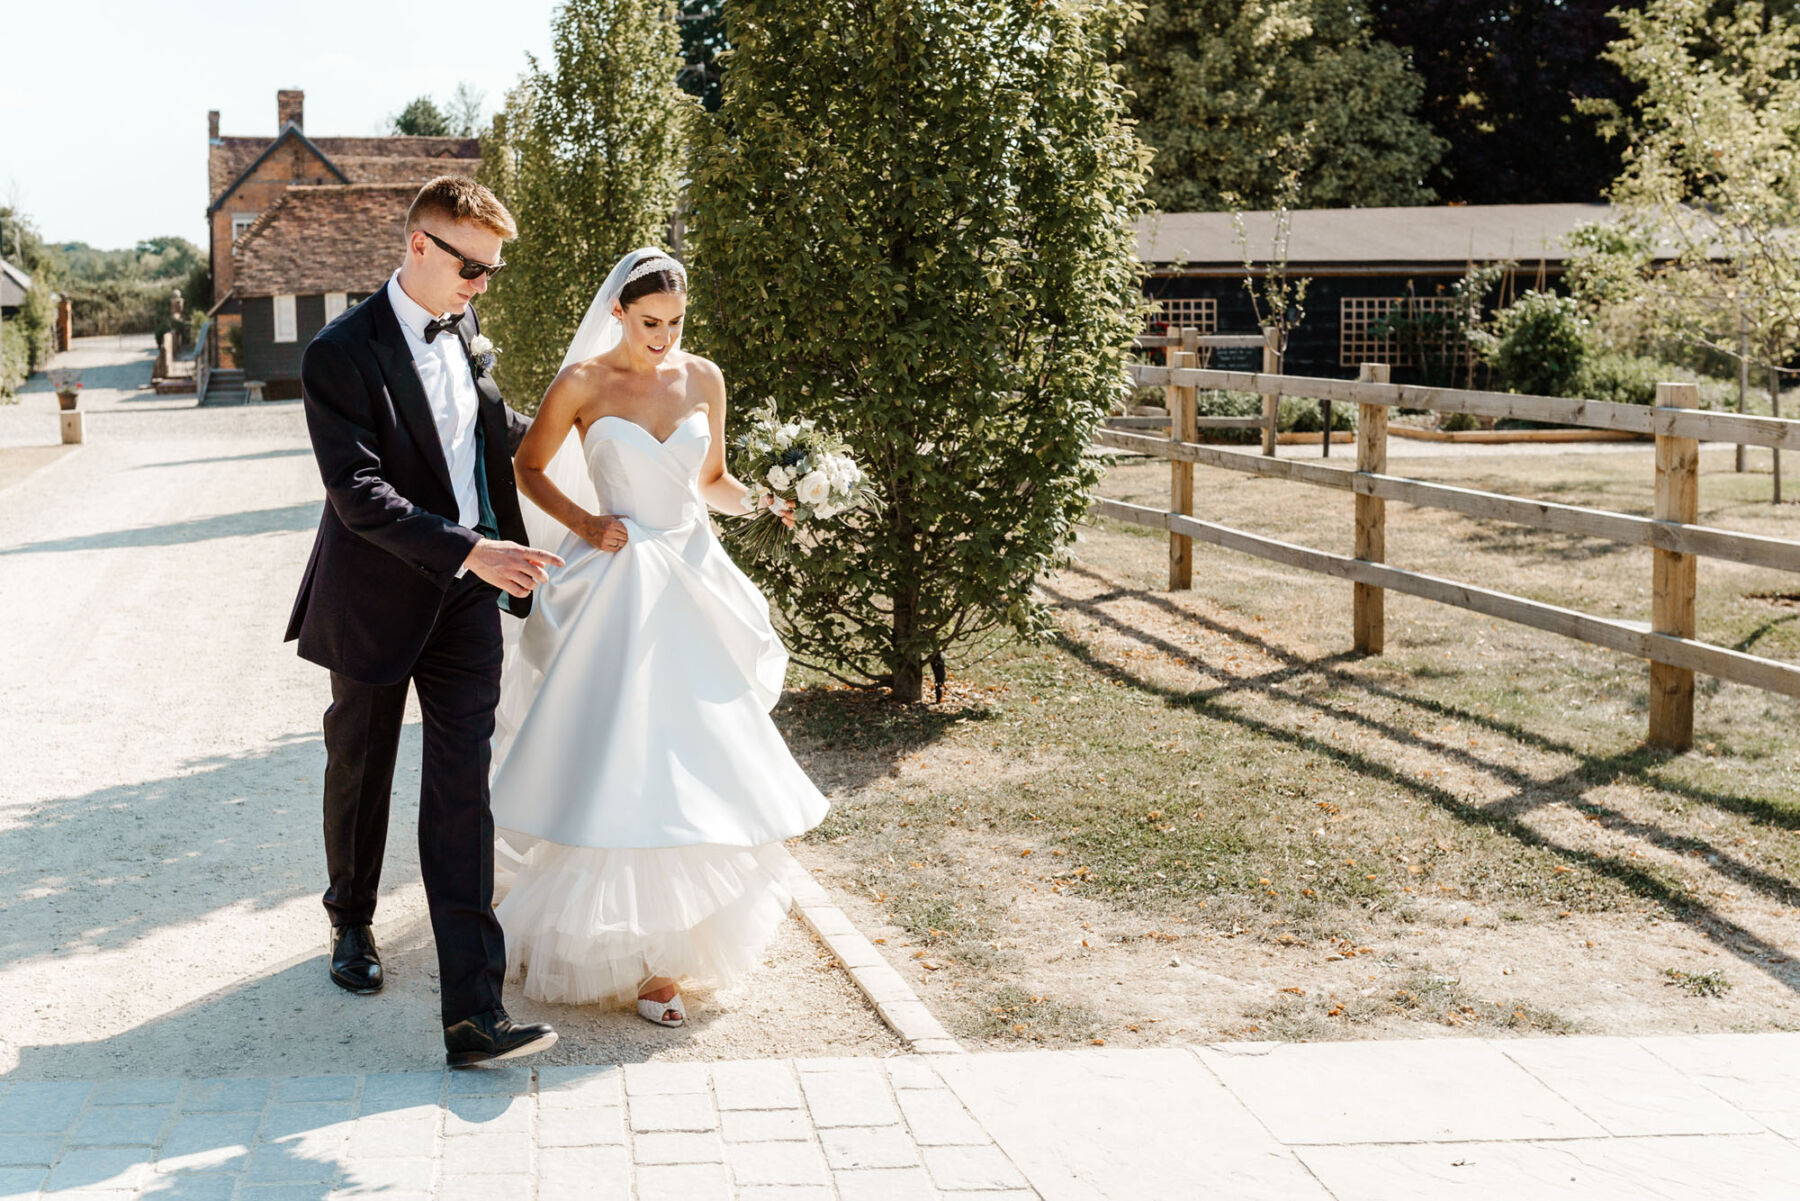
(67,382)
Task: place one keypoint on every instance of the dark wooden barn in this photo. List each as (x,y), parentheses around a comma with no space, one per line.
(1361,263)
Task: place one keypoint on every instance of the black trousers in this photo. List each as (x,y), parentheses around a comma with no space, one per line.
(457,676)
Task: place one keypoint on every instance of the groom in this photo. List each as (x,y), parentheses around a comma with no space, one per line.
(418,550)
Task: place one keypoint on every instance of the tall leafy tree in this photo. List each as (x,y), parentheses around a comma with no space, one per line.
(1234,95)
(703,47)
(462,112)
(914,222)
(587,155)
(1505,82)
(1713,169)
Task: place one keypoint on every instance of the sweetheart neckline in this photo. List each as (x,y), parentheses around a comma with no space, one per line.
(645,430)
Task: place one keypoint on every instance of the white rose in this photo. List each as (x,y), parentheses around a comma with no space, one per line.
(826,510)
(814,488)
(778,478)
(480,344)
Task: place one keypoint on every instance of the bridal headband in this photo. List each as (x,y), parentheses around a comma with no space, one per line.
(655,263)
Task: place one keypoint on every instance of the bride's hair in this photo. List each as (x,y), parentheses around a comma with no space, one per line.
(649,284)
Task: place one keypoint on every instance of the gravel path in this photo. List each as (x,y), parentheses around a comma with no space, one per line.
(160,860)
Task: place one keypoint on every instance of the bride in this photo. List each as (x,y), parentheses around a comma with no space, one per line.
(642,793)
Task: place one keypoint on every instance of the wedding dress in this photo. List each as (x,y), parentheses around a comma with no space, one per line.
(643,792)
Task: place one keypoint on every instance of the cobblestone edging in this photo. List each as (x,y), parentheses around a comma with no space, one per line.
(886,989)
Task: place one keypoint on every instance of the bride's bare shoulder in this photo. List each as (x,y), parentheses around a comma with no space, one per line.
(704,371)
(585,374)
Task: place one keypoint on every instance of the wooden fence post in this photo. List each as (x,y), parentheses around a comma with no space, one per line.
(1271,401)
(1183,402)
(1369,603)
(1673,575)
(1775,411)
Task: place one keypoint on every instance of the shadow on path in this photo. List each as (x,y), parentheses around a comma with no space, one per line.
(286,519)
(288,453)
(100,870)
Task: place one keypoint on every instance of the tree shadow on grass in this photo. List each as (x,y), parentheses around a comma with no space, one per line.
(1637,763)
(864,732)
(1504,816)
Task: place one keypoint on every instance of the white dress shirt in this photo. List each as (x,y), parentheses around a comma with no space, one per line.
(450,388)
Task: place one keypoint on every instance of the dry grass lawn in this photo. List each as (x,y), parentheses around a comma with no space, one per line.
(1199,816)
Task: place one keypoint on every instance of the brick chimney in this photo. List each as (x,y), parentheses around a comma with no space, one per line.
(289,109)
(212,126)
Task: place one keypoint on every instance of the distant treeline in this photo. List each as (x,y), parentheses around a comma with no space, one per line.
(129,291)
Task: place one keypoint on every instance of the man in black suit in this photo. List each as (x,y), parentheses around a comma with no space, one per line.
(419,548)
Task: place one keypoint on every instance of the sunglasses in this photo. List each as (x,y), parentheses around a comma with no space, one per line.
(470,268)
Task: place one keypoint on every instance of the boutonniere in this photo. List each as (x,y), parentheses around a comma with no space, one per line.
(483,352)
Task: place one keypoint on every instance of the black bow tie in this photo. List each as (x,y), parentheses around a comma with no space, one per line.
(438,325)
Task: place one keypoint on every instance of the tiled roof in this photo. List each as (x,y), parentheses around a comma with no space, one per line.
(335,238)
(362,160)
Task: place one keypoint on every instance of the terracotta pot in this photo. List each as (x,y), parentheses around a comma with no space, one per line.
(67,400)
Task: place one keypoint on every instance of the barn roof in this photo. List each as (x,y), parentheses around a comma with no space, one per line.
(1359,240)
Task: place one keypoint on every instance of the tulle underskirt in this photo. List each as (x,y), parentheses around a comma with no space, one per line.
(586,924)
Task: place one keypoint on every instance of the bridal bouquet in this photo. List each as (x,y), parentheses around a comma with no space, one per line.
(798,476)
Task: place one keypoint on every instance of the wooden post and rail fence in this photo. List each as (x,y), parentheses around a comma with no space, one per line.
(1667,641)
(1191,342)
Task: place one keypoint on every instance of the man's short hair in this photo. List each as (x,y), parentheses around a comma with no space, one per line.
(459,198)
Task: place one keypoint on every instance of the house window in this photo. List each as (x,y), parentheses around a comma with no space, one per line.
(335,304)
(240,222)
(1362,340)
(1196,313)
(285,330)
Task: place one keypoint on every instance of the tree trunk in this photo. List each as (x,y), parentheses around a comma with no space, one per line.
(908,667)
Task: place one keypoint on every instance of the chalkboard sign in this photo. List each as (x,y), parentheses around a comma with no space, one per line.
(1237,358)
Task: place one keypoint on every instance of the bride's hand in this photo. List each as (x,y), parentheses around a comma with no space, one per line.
(603,533)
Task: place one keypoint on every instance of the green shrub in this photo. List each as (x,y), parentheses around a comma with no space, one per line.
(15,359)
(1539,344)
(914,223)
(1624,378)
(587,155)
(1294,416)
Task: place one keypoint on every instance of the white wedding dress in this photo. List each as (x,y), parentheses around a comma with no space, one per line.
(642,792)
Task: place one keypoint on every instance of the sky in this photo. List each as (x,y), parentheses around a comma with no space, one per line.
(103,104)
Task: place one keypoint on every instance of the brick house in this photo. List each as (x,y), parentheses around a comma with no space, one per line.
(249,178)
(315,252)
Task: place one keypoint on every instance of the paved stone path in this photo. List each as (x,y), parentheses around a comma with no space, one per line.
(1712,1116)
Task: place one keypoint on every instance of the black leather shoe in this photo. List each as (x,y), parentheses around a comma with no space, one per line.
(493,1035)
(355,963)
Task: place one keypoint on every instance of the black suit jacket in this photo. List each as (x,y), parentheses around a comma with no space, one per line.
(389,544)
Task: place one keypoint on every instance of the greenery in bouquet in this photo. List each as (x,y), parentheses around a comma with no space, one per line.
(798,475)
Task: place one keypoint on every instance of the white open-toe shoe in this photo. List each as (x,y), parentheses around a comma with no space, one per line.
(657,1011)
